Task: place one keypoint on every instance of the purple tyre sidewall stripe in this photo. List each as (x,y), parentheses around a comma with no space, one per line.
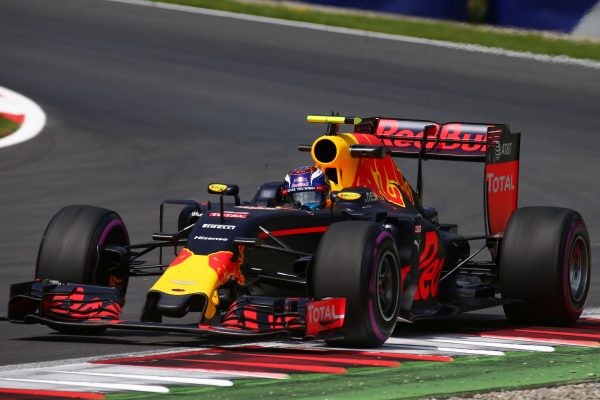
(112,224)
(373,286)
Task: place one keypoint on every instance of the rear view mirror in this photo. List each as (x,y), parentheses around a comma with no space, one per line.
(223,189)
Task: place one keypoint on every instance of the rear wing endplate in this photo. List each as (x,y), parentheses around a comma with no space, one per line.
(501,185)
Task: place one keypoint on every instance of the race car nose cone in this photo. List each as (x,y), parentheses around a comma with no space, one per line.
(178,306)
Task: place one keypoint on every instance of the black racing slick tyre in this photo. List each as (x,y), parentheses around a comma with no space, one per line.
(72,248)
(359,261)
(545,262)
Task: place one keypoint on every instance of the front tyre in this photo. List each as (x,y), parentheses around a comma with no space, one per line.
(72,250)
(545,262)
(359,261)
(73,245)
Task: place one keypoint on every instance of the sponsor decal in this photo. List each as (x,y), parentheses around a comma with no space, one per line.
(217,187)
(418,228)
(183,282)
(392,132)
(218,226)
(273,209)
(210,238)
(299,180)
(430,268)
(502,149)
(350,196)
(300,188)
(195,213)
(324,315)
(321,313)
(230,214)
(500,183)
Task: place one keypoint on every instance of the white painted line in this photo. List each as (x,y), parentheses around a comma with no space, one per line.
(95,385)
(159,371)
(474,48)
(445,350)
(171,379)
(85,360)
(9,107)
(232,373)
(591,312)
(480,343)
(471,351)
(34,121)
(556,342)
(412,349)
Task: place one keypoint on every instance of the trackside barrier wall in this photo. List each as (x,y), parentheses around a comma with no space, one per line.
(442,9)
(554,15)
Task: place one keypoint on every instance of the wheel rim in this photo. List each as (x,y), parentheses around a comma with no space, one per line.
(114,233)
(387,286)
(578,269)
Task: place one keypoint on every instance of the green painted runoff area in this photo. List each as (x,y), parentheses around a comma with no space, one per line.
(528,41)
(412,379)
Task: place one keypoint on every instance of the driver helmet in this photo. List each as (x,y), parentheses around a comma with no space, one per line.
(306,187)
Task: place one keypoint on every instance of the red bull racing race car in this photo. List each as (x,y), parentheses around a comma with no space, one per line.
(341,250)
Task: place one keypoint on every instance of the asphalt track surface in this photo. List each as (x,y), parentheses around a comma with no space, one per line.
(146,104)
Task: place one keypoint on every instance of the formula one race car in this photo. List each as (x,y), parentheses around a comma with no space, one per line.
(346,273)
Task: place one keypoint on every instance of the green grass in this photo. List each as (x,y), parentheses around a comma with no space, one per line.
(454,32)
(412,379)
(7,127)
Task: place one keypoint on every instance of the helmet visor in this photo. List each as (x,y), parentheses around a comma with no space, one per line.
(308,197)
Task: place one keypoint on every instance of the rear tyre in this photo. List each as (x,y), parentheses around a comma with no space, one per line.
(545,262)
(72,250)
(359,260)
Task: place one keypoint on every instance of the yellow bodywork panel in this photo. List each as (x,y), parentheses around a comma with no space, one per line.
(191,274)
(382,176)
(344,164)
(332,152)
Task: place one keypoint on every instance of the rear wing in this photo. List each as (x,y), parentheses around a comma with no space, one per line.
(492,144)
(450,141)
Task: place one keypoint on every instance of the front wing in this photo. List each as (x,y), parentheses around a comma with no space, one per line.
(88,308)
